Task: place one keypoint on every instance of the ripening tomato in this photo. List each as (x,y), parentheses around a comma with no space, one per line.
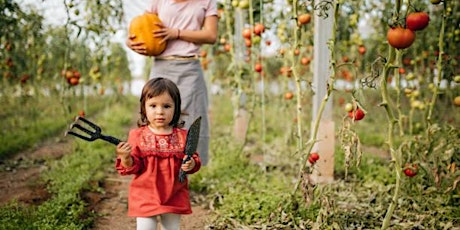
(362,49)
(304,19)
(357,115)
(81,113)
(348,107)
(313,158)
(288,96)
(400,38)
(247,42)
(258,67)
(73,81)
(417,20)
(410,170)
(259,29)
(203,53)
(305,60)
(227,47)
(247,33)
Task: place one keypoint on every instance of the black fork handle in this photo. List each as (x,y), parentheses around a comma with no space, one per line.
(110,139)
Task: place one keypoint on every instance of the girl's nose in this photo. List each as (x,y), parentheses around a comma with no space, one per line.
(159,110)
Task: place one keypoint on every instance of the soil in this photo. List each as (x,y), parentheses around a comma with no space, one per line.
(19,180)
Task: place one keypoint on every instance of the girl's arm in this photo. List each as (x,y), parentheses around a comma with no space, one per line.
(127,161)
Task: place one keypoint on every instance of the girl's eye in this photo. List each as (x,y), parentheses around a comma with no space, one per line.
(167,106)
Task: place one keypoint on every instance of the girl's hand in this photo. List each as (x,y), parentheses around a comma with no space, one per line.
(189,165)
(137,47)
(165,32)
(123,150)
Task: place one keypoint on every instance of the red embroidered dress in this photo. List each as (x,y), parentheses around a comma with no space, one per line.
(155,188)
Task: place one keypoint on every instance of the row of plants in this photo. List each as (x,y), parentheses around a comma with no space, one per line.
(245,193)
(411,91)
(29,121)
(68,178)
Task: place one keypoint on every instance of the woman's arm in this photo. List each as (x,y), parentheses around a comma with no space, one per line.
(207,35)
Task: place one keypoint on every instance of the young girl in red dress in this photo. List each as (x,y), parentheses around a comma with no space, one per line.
(154,154)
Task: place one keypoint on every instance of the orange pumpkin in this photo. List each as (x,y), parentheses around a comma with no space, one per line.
(142,26)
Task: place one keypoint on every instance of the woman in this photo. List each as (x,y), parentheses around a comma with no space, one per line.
(187,24)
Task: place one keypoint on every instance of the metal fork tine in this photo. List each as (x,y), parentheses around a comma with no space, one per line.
(94,126)
(78,126)
(81,136)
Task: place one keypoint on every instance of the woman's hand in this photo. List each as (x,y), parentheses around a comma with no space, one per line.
(189,165)
(166,33)
(123,151)
(137,47)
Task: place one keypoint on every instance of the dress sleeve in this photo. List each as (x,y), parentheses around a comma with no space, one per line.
(135,154)
(197,167)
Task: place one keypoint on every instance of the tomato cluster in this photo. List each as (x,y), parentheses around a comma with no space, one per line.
(72,76)
(402,38)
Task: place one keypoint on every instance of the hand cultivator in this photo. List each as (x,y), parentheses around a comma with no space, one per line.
(94,131)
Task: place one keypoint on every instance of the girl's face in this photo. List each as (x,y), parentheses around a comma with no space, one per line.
(160,111)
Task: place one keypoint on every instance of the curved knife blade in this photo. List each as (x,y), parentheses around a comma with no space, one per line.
(191,143)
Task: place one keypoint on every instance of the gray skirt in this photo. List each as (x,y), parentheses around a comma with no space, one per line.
(189,78)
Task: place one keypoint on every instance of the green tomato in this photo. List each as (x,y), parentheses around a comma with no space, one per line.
(457,79)
(348,107)
(244,4)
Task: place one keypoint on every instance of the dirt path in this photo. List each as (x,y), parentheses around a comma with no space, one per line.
(113,208)
(19,180)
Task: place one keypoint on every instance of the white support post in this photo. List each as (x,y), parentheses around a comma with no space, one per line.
(324,168)
(241,116)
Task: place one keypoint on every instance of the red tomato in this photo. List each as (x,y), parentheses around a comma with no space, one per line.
(304,19)
(247,33)
(81,113)
(400,38)
(73,81)
(288,96)
(362,49)
(417,20)
(247,42)
(259,29)
(305,61)
(313,158)
(258,67)
(410,171)
(357,115)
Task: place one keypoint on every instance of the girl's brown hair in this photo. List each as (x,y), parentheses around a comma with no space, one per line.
(155,87)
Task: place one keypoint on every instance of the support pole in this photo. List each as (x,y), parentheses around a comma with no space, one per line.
(324,169)
(241,116)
